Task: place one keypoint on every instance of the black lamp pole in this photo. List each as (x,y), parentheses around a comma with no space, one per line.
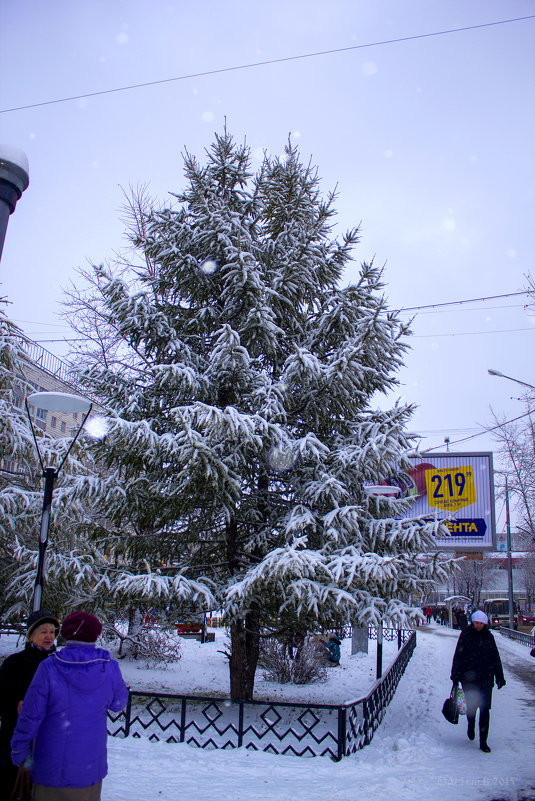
(50,475)
(14,179)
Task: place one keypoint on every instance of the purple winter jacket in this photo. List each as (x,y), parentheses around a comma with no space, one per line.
(65,712)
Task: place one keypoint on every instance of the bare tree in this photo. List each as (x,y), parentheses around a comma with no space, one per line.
(527,576)
(473,575)
(101,339)
(517,451)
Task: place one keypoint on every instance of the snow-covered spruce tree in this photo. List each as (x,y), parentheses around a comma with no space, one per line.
(242,433)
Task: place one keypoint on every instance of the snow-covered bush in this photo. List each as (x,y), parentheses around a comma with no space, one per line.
(154,647)
(299,665)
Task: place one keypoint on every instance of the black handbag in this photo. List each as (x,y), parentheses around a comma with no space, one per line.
(22,790)
(450,710)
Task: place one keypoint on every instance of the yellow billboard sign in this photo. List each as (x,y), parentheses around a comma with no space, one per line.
(450,488)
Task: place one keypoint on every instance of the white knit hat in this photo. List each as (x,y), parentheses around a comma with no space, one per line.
(479,617)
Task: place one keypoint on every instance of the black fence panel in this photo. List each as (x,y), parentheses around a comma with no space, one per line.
(298,729)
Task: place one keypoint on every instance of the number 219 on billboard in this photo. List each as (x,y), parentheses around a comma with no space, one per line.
(450,488)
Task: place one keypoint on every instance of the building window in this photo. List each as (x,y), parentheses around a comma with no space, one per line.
(41,415)
(17,401)
(63,427)
(53,421)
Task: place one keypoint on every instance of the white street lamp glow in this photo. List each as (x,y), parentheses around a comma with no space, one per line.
(97,427)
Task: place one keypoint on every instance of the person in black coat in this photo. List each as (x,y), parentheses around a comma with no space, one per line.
(16,675)
(476,663)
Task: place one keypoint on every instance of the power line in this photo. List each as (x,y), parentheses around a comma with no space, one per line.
(267,63)
(478,308)
(396,311)
(459,302)
(412,336)
(473,333)
(481,433)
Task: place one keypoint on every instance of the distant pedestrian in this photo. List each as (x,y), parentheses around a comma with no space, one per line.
(476,664)
(333,649)
(428,613)
(462,620)
(16,674)
(65,715)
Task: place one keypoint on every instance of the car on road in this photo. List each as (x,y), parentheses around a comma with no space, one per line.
(527,618)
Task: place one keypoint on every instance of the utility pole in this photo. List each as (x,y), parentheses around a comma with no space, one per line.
(509,558)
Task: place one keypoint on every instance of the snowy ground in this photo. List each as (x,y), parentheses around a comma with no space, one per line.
(203,670)
(415,755)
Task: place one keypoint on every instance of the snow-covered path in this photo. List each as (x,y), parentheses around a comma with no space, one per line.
(414,755)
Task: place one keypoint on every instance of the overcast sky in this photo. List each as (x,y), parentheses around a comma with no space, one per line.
(430,142)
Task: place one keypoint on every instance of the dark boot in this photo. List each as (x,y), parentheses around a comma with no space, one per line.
(471,728)
(484,718)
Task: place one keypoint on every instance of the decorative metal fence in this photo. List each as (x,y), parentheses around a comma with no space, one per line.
(280,728)
(519,636)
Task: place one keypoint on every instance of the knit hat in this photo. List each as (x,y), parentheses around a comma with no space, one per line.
(479,617)
(81,626)
(39,618)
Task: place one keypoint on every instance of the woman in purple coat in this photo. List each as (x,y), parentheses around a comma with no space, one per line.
(65,713)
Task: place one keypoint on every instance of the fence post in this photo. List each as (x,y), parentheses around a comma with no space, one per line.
(183,720)
(379,670)
(366,721)
(240,724)
(127,714)
(399,636)
(342,731)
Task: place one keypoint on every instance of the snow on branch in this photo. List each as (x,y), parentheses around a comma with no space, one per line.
(148,585)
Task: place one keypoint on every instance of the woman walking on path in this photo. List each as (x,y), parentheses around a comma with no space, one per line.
(476,663)
(65,714)
(16,674)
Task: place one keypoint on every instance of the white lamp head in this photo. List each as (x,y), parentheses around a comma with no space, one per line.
(14,167)
(59,402)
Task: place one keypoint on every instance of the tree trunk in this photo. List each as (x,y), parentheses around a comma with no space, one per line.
(244,633)
(244,650)
(135,622)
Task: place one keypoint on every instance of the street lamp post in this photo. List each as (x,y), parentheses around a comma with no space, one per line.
(510,589)
(497,373)
(381,491)
(67,404)
(508,515)
(14,179)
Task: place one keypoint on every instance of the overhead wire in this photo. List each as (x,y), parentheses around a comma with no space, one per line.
(431,306)
(474,333)
(267,62)
(481,433)
(459,302)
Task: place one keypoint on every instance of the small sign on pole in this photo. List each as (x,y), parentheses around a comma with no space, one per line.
(471,556)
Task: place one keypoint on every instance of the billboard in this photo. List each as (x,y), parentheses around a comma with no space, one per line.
(458,489)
